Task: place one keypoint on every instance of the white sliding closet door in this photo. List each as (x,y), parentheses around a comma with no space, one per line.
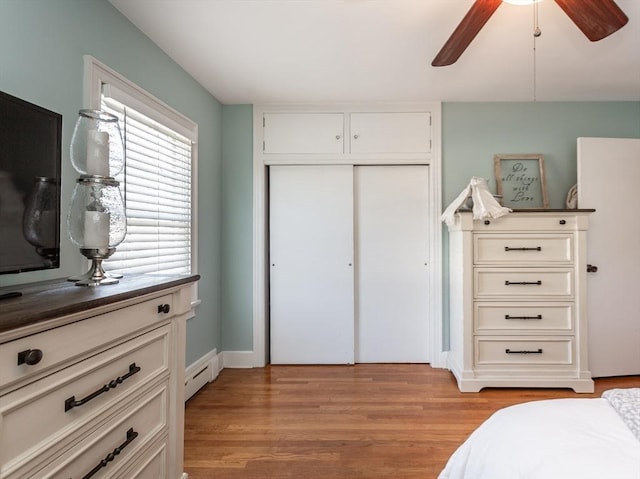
(311,264)
(391,264)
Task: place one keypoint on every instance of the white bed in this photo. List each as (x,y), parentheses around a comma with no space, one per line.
(555,439)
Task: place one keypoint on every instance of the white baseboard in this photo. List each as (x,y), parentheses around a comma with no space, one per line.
(200,373)
(237,359)
(440,360)
(246,359)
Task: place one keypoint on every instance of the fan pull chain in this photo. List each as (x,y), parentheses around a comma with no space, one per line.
(536,33)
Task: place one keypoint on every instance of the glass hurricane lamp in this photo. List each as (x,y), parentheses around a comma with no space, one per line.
(97,224)
(96,144)
(40,219)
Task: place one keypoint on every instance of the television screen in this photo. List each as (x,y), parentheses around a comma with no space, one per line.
(30,155)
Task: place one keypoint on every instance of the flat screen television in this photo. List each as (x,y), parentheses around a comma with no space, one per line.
(30,166)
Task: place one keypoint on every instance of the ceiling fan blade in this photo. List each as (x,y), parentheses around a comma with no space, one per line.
(465,32)
(596,18)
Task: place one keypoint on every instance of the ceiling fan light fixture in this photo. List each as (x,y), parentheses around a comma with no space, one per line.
(521,2)
(597,19)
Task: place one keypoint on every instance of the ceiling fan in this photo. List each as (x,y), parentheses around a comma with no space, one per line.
(596,18)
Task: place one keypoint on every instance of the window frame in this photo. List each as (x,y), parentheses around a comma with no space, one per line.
(97,74)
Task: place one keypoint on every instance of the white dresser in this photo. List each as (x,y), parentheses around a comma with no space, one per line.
(517,300)
(92,379)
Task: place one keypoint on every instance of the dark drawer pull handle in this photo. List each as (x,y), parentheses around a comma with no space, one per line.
(164,308)
(71,402)
(511,283)
(538,351)
(563,222)
(537,248)
(131,435)
(526,318)
(30,357)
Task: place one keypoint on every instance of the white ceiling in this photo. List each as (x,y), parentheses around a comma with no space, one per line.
(265,51)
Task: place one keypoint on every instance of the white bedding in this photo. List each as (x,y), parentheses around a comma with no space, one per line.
(551,439)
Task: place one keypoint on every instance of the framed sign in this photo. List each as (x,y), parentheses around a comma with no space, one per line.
(520,180)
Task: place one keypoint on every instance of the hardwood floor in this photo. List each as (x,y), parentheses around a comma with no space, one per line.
(365,421)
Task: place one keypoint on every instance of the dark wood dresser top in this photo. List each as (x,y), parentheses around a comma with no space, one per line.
(46,300)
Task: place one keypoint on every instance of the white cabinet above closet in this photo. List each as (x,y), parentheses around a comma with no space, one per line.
(291,133)
(390,132)
(314,133)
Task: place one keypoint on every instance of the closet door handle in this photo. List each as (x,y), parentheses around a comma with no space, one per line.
(71,402)
(511,283)
(131,435)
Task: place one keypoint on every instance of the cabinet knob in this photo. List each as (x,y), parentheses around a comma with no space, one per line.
(592,269)
(355,137)
(338,137)
(487,222)
(30,357)
(164,308)
(563,222)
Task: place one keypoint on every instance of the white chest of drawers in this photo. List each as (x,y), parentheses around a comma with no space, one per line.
(517,301)
(92,380)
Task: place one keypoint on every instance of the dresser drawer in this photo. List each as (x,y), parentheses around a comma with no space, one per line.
(59,346)
(523,351)
(530,222)
(523,249)
(522,317)
(523,283)
(131,433)
(152,464)
(51,409)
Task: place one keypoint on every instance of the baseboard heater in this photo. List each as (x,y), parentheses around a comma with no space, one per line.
(200,373)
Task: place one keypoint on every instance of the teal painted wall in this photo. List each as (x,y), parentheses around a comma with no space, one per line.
(41,48)
(237,228)
(473,132)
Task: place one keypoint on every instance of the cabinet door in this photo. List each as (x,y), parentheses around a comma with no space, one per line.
(303,133)
(392,272)
(390,132)
(311,258)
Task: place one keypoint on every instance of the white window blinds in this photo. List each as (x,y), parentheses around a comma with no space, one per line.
(156,187)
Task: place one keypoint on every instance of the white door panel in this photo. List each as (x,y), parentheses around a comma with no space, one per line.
(311,257)
(287,133)
(391,271)
(608,178)
(390,132)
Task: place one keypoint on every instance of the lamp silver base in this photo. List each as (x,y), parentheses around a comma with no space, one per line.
(96,276)
(97,281)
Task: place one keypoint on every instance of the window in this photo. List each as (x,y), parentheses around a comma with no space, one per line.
(158,178)
(156,186)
